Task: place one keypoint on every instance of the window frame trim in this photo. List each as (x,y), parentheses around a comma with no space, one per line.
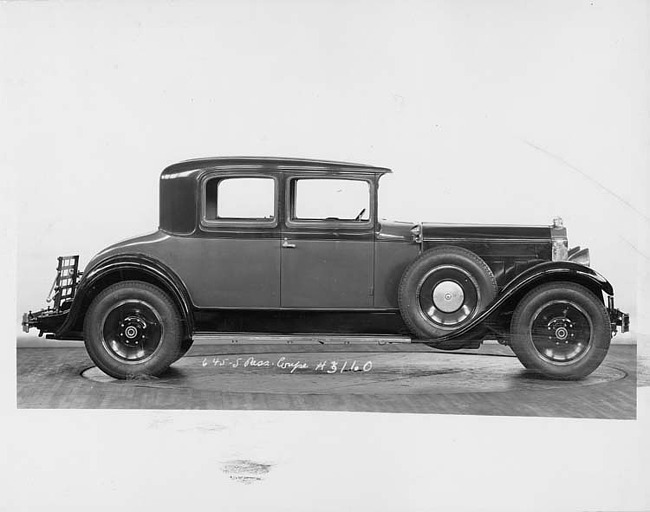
(234,223)
(334,224)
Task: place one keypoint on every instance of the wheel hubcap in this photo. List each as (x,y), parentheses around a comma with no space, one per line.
(561,332)
(448,296)
(132,331)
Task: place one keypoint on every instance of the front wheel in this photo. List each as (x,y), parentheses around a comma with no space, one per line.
(561,330)
(132,329)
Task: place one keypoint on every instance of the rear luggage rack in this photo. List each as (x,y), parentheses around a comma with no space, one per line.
(65,282)
(62,294)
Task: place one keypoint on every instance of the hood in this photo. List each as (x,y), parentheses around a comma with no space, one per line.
(429,231)
(479,232)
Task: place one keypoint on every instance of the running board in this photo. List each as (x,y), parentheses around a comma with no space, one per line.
(296,339)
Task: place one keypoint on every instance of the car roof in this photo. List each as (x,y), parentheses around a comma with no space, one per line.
(270,164)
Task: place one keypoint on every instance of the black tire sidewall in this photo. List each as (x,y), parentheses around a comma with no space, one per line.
(522,343)
(184,348)
(449,255)
(168,348)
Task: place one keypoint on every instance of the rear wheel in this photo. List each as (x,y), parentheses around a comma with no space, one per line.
(444,290)
(561,330)
(186,345)
(132,329)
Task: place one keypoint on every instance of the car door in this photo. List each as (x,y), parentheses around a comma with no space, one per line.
(327,247)
(237,258)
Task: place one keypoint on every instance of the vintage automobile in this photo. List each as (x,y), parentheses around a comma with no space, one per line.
(280,245)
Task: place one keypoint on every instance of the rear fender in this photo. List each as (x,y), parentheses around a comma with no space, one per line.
(513,291)
(121,268)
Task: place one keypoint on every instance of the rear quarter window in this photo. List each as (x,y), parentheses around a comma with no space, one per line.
(239,199)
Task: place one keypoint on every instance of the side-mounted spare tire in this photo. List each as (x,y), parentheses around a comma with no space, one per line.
(133,329)
(444,290)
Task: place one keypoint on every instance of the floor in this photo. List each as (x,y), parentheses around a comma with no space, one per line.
(399,378)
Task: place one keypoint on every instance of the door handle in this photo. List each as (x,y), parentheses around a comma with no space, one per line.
(287,245)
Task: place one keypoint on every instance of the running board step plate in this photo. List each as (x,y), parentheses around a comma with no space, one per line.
(296,339)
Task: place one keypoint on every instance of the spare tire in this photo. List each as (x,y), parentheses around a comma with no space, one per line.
(443,290)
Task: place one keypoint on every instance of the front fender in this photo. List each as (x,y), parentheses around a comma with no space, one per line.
(556,271)
(527,280)
(125,267)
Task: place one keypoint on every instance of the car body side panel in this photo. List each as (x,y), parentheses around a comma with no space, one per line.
(327,274)
(391,260)
(178,199)
(327,263)
(233,273)
(450,232)
(217,272)
(507,250)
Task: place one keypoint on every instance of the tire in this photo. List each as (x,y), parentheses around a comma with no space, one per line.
(443,290)
(561,331)
(186,345)
(132,329)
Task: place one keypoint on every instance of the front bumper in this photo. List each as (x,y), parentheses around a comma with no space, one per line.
(619,320)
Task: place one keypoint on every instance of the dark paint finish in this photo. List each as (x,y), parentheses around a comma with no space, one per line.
(395,231)
(236,272)
(539,274)
(489,233)
(327,273)
(102,272)
(223,274)
(391,260)
(179,204)
(268,163)
(507,250)
(178,199)
(300,321)
(327,263)
(242,271)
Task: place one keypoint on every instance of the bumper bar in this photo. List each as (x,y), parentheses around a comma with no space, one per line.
(618,319)
(62,294)
(45,320)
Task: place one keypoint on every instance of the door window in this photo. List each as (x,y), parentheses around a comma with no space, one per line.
(324,199)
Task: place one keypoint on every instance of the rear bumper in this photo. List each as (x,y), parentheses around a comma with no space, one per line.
(619,320)
(45,320)
(62,294)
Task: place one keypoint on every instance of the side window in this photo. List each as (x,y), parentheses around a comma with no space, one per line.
(331,199)
(240,199)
